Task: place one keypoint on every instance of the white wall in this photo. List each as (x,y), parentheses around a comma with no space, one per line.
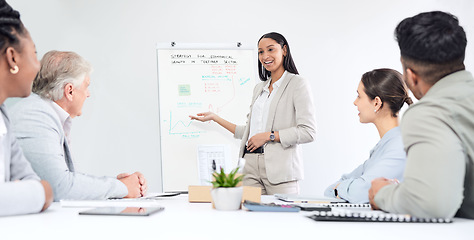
(333,44)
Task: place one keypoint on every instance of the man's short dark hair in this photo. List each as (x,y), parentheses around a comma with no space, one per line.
(432,44)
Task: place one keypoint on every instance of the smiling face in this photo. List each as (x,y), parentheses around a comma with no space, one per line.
(365,105)
(271,54)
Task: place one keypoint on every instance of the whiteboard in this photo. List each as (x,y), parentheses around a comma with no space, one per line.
(198,78)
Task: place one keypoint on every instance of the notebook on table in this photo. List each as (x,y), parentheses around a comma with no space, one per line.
(350,215)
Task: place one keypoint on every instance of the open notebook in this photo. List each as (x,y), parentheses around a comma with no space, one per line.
(368,215)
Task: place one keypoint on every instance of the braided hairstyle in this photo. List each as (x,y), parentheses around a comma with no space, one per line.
(10,26)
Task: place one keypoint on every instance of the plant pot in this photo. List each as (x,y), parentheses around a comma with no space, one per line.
(227,199)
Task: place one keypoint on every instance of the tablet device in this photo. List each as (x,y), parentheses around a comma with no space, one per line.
(123,211)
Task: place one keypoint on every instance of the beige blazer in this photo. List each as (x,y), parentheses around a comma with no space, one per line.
(292,115)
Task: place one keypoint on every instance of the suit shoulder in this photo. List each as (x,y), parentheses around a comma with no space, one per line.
(427,108)
(33,101)
(259,85)
(31,104)
(296,76)
(298,81)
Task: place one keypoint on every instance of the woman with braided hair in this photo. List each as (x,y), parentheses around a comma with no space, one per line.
(21,191)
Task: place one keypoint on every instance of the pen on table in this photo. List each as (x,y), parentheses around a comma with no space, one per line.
(316,202)
(214,167)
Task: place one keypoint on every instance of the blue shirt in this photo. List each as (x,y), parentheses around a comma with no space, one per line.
(387,159)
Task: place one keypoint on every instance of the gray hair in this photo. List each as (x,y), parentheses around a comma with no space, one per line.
(57,70)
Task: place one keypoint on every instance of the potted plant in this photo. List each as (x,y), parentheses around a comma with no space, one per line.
(225,193)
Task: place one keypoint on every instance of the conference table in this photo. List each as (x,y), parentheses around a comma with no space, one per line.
(184,220)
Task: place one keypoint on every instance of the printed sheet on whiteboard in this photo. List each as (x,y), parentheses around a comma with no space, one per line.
(212,158)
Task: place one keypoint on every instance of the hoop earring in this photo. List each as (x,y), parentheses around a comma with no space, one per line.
(14,70)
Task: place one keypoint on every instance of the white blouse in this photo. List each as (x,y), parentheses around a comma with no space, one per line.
(260,108)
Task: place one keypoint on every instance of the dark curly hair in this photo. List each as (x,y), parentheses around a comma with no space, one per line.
(432,44)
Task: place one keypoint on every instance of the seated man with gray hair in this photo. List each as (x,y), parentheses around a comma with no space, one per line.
(42,123)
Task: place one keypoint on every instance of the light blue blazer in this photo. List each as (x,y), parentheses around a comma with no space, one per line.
(387,159)
(40,133)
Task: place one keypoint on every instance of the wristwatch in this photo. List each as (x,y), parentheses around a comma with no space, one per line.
(272,136)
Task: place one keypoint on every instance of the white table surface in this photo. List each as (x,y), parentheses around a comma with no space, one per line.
(184,220)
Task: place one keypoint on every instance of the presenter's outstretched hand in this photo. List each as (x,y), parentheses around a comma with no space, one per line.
(208,116)
(48,192)
(134,184)
(204,117)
